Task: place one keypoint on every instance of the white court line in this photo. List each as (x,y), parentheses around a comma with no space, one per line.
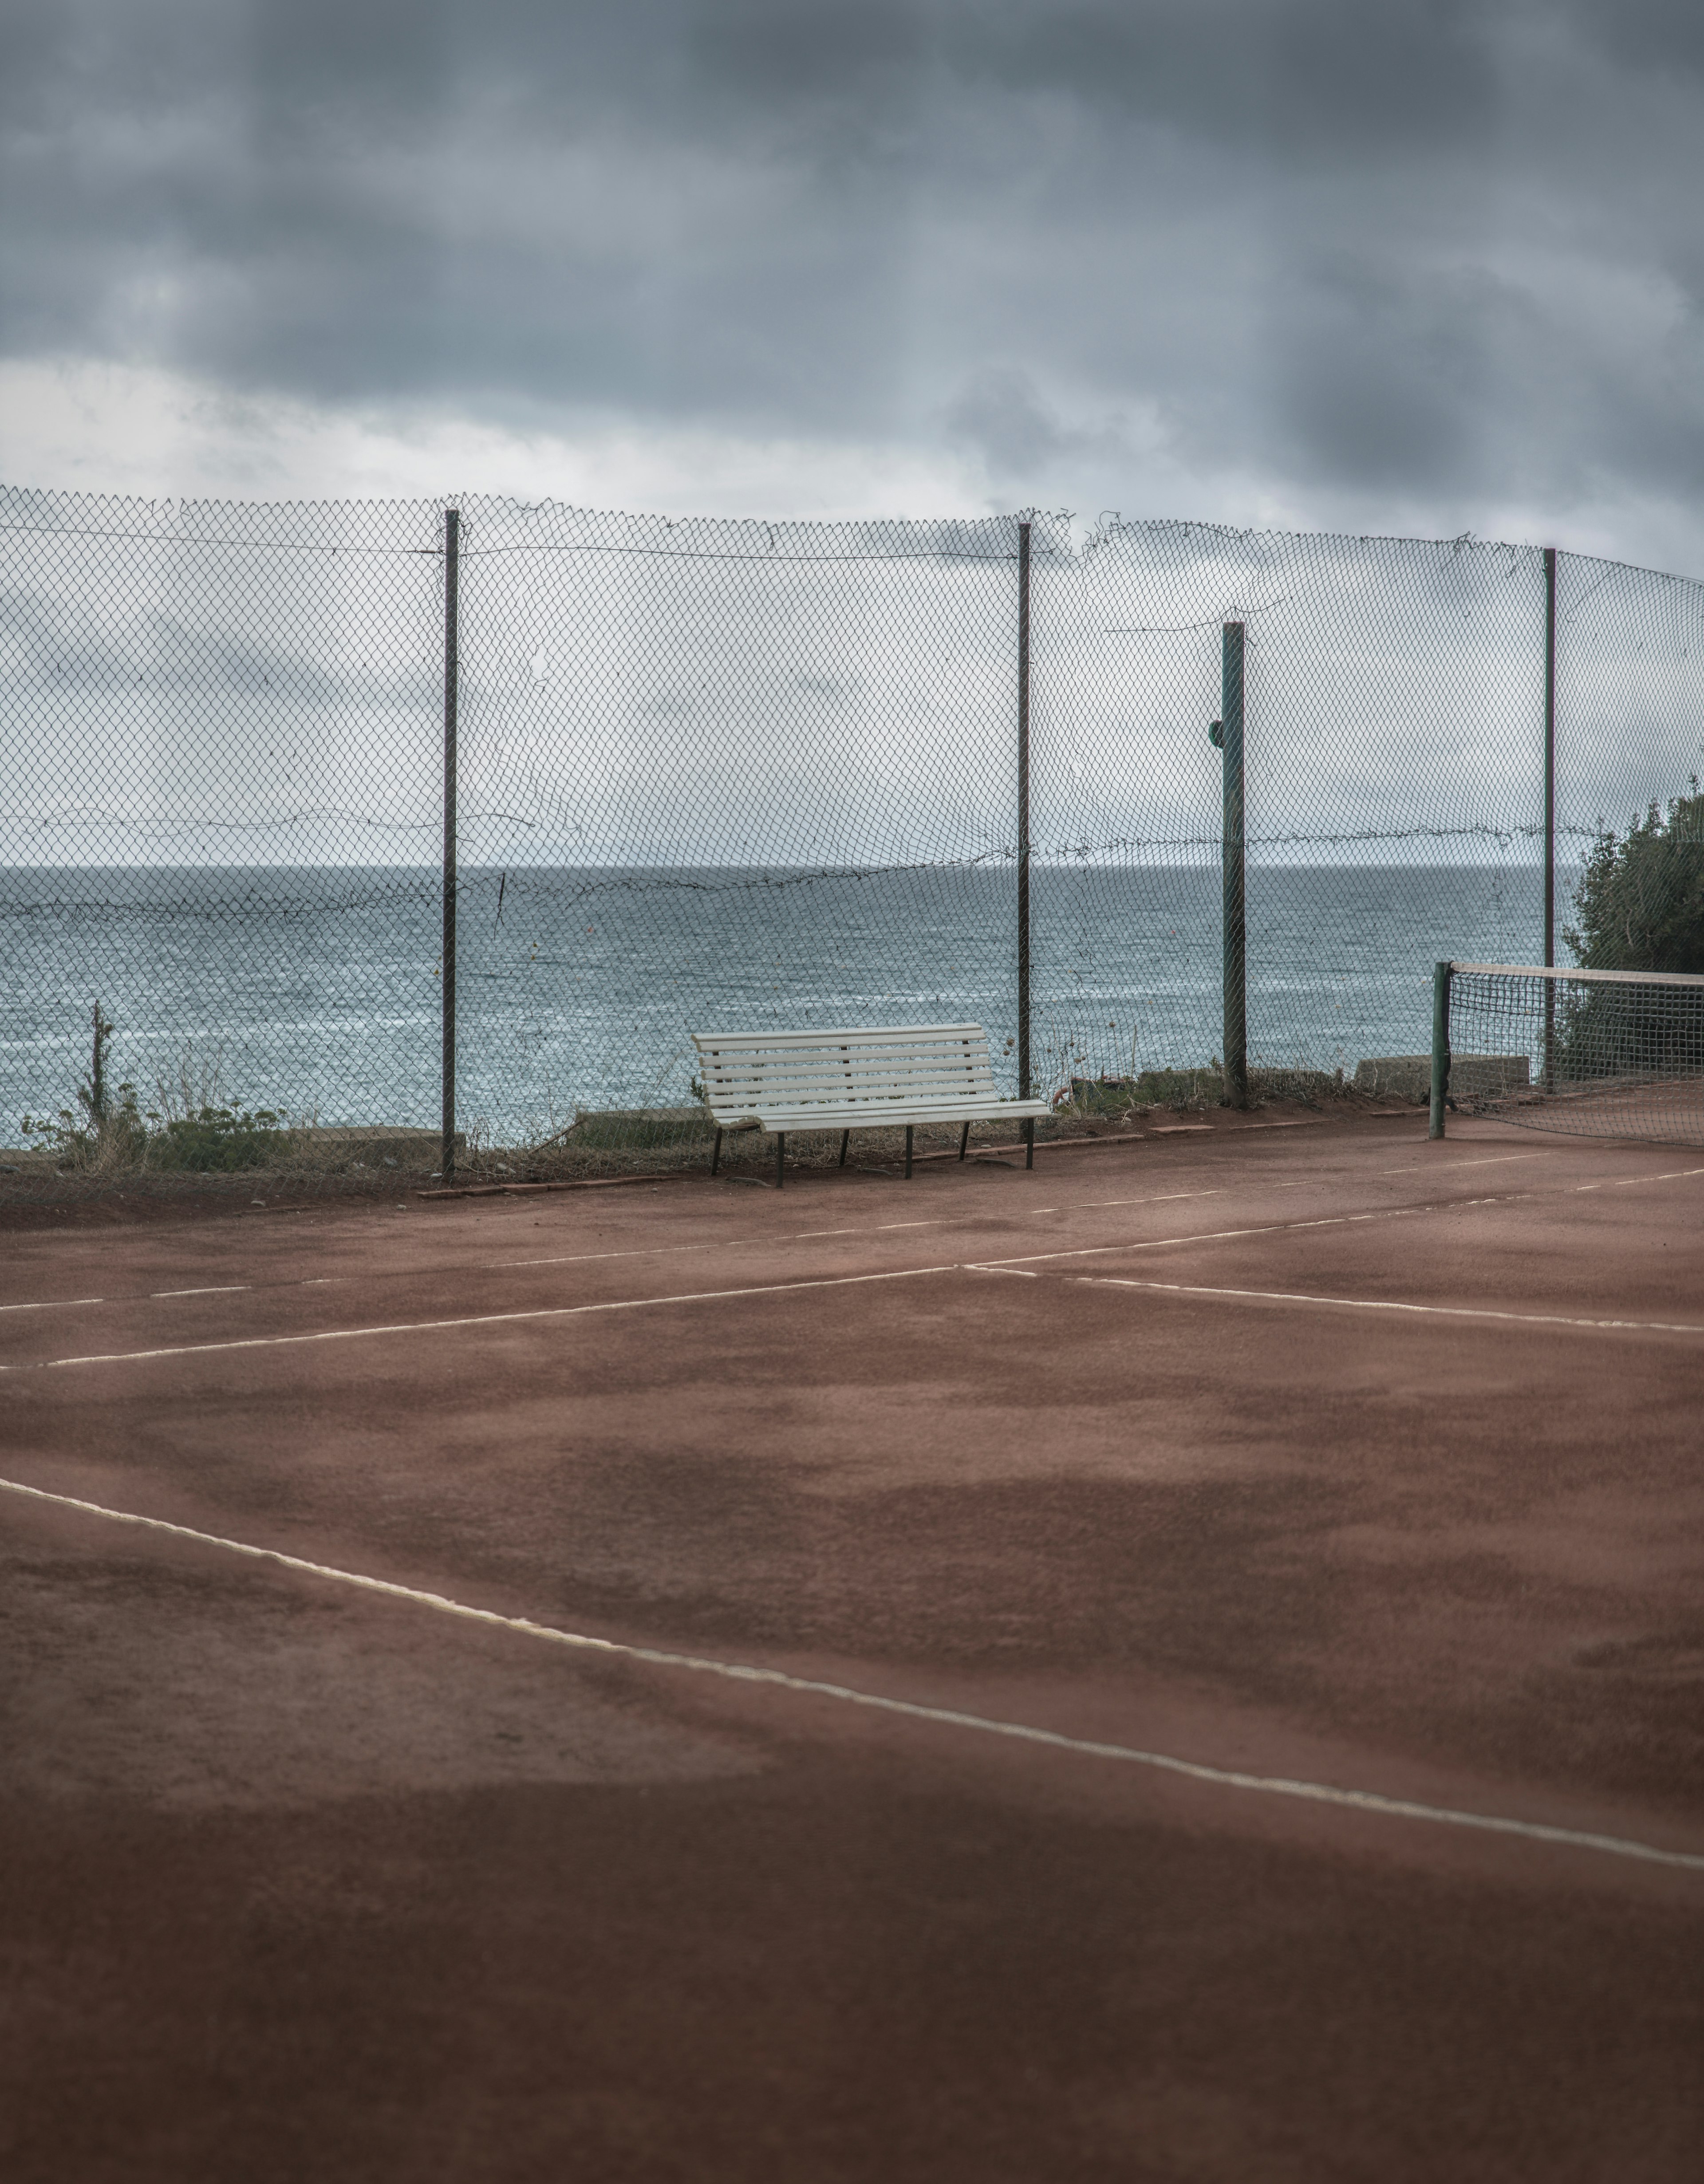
(1272,1786)
(735,1242)
(647,1252)
(642,1251)
(1380,1304)
(1493,1160)
(696,1297)
(1620,1182)
(1325,1221)
(1153,1198)
(1225,1236)
(810,1235)
(481,1319)
(1501,1160)
(474,1319)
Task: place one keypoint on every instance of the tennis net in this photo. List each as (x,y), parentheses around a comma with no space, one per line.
(1615,1054)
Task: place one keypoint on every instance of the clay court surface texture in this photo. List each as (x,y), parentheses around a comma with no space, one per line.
(1185,1664)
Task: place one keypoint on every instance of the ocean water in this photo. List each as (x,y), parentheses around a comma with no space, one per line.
(316,989)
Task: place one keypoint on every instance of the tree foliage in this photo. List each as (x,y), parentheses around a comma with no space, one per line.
(1639,905)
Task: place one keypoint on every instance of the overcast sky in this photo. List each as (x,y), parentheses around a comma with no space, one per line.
(1429,265)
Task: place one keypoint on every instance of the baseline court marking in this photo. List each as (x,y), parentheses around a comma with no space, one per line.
(1272,1786)
(770,1289)
(1325,1221)
(1620,1182)
(474,1319)
(1374,1304)
(1491,1160)
(579,1258)
(808,1235)
(1226,1235)
(695,1296)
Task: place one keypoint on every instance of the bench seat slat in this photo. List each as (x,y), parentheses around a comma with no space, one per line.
(870,1117)
(876,1069)
(881,1092)
(851,1035)
(843,1057)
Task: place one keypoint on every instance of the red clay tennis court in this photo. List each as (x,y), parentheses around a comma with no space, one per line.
(1185,1664)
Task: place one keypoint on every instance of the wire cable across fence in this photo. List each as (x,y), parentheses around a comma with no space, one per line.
(720,775)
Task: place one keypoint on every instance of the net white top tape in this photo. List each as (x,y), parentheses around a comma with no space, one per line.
(1601,977)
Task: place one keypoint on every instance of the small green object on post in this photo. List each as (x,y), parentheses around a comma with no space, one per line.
(1440,1045)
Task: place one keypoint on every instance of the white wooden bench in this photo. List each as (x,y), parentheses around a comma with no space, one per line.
(855,1080)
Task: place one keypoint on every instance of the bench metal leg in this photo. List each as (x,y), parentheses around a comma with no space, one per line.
(963,1140)
(716,1157)
(1029,1141)
(780,1158)
(908,1129)
(845,1139)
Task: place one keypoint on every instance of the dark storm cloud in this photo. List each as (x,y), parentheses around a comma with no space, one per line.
(1409,247)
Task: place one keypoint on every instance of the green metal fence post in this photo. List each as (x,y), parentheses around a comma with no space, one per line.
(452,587)
(1024,812)
(1546,1075)
(1440,1045)
(1235,911)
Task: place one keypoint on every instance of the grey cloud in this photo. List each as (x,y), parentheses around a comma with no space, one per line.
(1641,34)
(1432,250)
(1001,415)
(1312,79)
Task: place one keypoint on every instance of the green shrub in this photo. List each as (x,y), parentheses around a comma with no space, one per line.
(1639,905)
(1180,1088)
(111,1132)
(219,1139)
(108,1133)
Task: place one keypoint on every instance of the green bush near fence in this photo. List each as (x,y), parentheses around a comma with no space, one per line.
(108,1130)
(1639,906)
(1113,1096)
(613,1128)
(214,1140)
(219,1140)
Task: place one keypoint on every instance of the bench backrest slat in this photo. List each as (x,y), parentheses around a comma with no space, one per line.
(848,1066)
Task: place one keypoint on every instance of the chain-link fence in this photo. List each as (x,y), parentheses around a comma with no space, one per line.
(727,774)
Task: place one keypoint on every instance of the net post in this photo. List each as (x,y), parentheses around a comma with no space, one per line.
(452,587)
(1024,812)
(1236,996)
(1546,1072)
(1441,978)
